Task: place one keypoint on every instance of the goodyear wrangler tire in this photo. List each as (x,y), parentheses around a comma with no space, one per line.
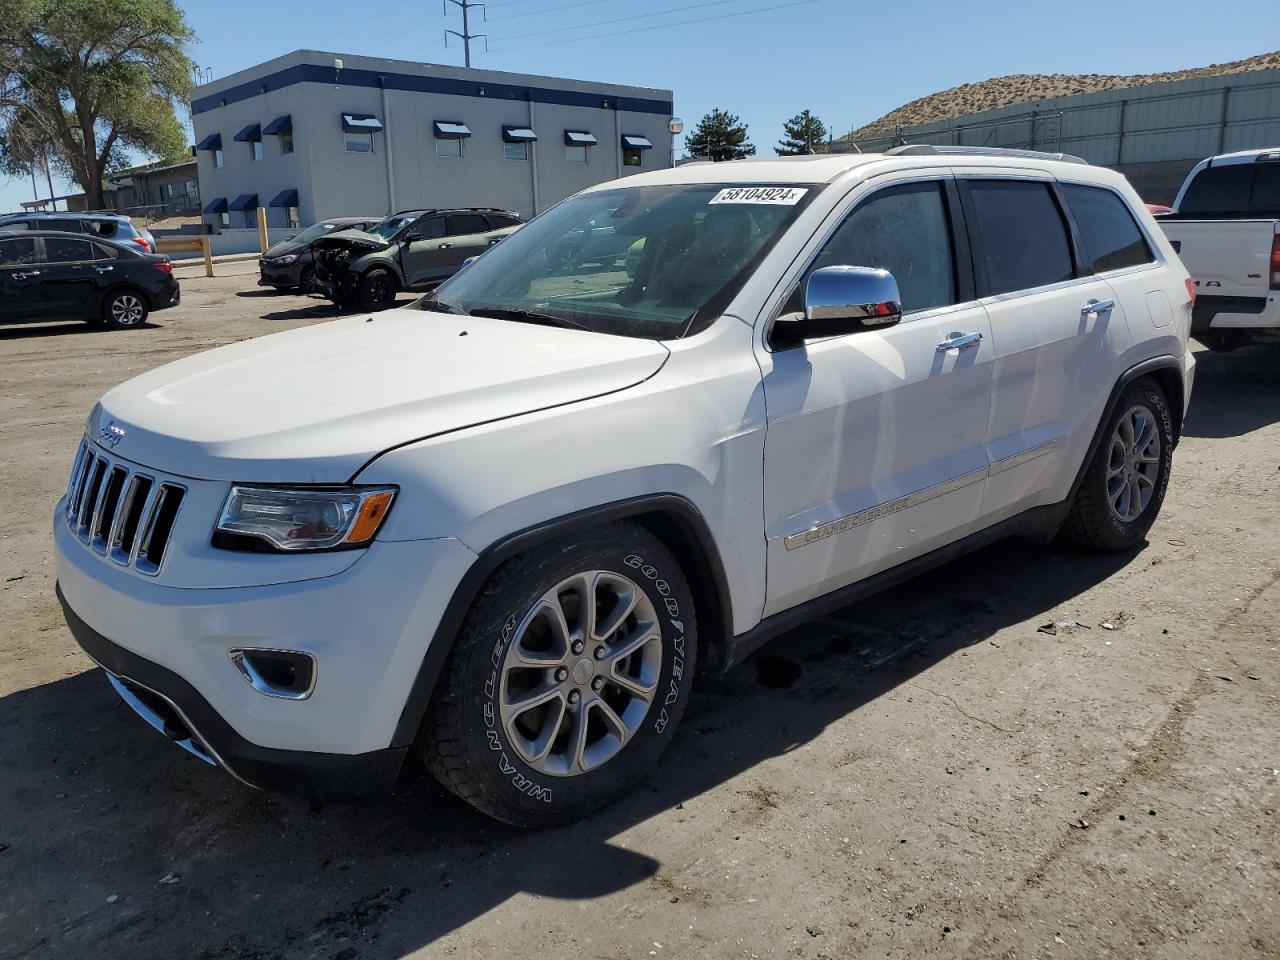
(1124,485)
(567,680)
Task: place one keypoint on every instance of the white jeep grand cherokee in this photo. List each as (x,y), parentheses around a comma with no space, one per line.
(668,419)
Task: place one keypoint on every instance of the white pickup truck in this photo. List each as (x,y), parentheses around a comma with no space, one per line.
(1225,225)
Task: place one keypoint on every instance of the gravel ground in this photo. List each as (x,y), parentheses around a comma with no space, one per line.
(927,774)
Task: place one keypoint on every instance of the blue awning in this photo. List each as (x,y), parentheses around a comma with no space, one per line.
(518,134)
(279,125)
(579,138)
(361,123)
(217,206)
(212,142)
(285,198)
(451,130)
(246,201)
(636,143)
(252,132)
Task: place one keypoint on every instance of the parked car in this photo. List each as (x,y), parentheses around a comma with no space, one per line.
(414,249)
(108,226)
(291,264)
(54,275)
(507,527)
(1225,226)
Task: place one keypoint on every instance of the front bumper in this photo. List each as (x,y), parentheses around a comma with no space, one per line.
(367,628)
(175,708)
(272,274)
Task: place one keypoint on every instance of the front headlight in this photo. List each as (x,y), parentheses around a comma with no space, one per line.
(287,259)
(255,518)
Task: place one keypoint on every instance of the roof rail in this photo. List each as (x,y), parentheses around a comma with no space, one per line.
(929,149)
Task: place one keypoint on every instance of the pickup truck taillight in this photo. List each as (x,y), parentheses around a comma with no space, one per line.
(1275,262)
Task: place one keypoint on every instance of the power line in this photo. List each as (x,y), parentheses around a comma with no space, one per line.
(636,16)
(350,30)
(661,26)
(407,28)
(536,13)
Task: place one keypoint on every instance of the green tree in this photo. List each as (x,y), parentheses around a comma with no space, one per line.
(719,136)
(803,133)
(88,82)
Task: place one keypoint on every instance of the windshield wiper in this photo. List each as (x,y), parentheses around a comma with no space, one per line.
(440,306)
(527,316)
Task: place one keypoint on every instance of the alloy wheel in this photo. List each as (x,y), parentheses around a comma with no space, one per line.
(580,673)
(126,310)
(1133,464)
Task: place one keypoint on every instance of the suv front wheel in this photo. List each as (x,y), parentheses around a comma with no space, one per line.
(567,680)
(377,290)
(1125,482)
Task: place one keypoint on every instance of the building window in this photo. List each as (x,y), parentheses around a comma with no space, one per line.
(224,218)
(516,151)
(255,149)
(575,154)
(449,147)
(217,158)
(295,218)
(632,157)
(286,143)
(358,141)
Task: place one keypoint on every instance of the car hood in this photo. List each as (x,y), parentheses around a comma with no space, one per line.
(283,248)
(314,405)
(351,238)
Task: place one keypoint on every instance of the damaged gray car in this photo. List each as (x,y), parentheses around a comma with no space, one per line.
(411,250)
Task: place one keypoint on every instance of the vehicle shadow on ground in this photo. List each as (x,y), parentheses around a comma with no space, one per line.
(1235,393)
(95,805)
(59,328)
(314,308)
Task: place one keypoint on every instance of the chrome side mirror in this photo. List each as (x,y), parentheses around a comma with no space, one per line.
(865,297)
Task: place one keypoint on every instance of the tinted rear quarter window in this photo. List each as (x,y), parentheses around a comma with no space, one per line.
(1111,236)
(18,250)
(499,220)
(1023,240)
(65,226)
(463,223)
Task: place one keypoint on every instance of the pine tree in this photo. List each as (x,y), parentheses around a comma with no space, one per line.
(803,133)
(719,136)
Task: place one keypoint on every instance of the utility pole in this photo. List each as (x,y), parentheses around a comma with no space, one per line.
(466,36)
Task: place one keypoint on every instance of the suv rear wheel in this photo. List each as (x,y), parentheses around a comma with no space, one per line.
(1125,482)
(567,680)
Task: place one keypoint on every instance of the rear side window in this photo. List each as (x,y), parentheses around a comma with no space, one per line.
(1023,241)
(18,250)
(104,228)
(67,250)
(499,220)
(15,225)
(103,252)
(463,223)
(66,226)
(1234,190)
(904,230)
(1111,236)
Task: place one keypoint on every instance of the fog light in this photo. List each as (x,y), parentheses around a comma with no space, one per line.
(287,674)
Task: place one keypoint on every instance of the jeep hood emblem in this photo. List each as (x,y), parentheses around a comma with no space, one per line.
(111,434)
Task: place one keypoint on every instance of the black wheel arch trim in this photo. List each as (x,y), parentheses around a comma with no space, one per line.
(707,579)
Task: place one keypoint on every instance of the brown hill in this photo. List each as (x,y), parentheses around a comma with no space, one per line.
(1023,87)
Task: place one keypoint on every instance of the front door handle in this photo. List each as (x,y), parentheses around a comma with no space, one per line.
(26,275)
(446,246)
(959,341)
(1097,306)
(104,269)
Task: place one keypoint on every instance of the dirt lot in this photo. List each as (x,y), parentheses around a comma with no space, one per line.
(924,775)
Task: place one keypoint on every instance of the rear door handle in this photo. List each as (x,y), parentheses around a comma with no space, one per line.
(959,341)
(104,269)
(1097,306)
(26,275)
(446,246)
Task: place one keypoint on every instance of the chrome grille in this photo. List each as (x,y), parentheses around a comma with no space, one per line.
(121,512)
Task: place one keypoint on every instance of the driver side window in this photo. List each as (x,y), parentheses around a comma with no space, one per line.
(430,228)
(905,230)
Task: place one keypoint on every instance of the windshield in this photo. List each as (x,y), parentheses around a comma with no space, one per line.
(389,227)
(654,261)
(313,231)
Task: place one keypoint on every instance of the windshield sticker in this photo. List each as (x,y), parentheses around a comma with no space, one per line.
(778,196)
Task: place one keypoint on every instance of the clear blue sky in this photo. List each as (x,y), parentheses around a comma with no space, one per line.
(847,62)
